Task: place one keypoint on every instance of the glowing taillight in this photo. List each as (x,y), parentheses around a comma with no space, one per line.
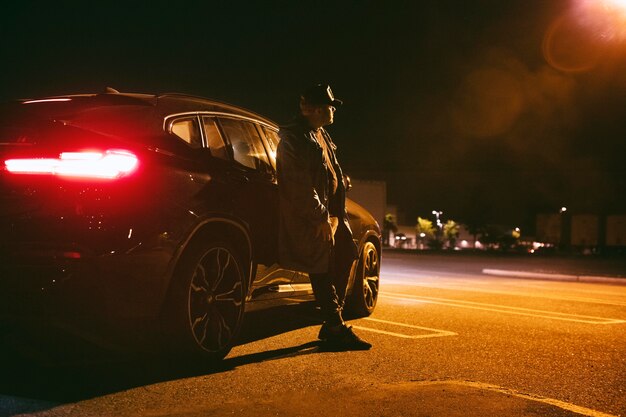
(107,165)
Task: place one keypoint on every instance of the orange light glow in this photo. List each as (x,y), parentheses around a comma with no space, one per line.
(570,47)
(606,19)
(585,36)
(106,165)
(616,5)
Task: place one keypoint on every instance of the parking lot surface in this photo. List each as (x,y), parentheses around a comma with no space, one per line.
(448,341)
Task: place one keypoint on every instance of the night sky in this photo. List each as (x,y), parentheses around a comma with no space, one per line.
(488,110)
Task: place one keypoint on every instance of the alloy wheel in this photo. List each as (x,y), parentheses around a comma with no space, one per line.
(371,270)
(215,299)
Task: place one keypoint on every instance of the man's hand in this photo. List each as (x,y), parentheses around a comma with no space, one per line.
(326,230)
(334,223)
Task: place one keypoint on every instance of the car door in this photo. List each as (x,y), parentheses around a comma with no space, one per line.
(257,201)
(301,282)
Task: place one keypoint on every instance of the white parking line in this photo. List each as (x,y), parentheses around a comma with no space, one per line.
(435,332)
(503,309)
(531,397)
(555,277)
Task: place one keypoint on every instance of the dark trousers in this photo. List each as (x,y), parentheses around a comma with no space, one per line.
(330,287)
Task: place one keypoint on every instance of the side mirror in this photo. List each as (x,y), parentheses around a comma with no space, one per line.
(347,182)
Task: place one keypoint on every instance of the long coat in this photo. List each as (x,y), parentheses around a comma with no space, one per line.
(303,187)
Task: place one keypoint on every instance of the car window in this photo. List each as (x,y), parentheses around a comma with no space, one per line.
(248,149)
(272,140)
(188,130)
(214,140)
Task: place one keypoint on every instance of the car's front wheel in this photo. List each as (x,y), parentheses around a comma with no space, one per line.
(364,294)
(206,303)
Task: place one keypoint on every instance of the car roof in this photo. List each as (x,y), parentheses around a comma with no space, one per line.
(165,103)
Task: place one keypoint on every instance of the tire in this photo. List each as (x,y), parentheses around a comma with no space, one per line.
(364,296)
(207,301)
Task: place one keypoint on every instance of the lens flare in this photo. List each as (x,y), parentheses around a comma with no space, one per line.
(569,47)
(586,35)
(605,19)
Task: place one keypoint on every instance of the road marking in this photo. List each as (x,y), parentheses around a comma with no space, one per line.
(479,279)
(557,277)
(503,309)
(550,401)
(435,332)
(460,287)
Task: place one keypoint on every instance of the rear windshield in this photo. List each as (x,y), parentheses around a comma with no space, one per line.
(16,128)
(24,123)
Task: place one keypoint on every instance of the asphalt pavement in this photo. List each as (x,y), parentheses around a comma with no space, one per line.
(563,267)
(448,340)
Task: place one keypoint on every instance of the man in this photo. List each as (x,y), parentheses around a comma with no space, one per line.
(315,235)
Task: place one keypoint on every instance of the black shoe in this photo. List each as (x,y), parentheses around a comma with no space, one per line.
(325,331)
(343,340)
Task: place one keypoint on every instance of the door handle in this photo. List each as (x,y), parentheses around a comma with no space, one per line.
(239,177)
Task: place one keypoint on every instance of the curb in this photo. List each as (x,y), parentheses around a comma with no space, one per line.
(555,277)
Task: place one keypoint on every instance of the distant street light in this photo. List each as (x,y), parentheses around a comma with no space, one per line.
(563,235)
(438,213)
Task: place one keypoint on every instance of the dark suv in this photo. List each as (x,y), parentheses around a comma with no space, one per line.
(132,214)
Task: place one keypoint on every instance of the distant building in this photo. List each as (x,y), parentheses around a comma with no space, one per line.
(585,230)
(582,231)
(616,231)
(549,228)
(372,195)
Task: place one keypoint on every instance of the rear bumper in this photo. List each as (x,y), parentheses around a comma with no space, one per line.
(99,296)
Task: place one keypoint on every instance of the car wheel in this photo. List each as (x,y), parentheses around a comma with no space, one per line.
(366,282)
(207,300)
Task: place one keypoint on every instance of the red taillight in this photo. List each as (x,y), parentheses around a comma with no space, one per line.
(107,165)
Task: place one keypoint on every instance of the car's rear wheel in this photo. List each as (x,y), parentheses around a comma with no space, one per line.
(364,294)
(206,304)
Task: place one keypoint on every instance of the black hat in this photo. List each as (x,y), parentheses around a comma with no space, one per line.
(320,94)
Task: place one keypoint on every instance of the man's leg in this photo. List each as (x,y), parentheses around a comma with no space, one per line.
(330,292)
(342,262)
(326,297)
(330,287)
